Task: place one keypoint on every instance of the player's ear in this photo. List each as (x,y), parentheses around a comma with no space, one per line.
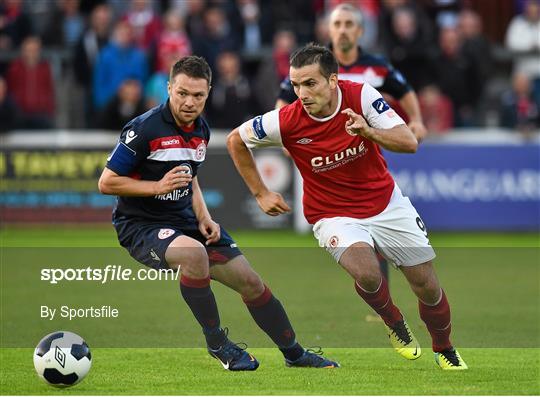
(169,87)
(333,80)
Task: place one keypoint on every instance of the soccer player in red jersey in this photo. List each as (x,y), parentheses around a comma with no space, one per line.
(333,133)
(345,28)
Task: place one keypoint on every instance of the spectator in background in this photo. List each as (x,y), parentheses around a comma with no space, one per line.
(173,39)
(217,36)
(437,110)
(30,82)
(518,109)
(155,91)
(523,38)
(423,26)
(477,48)
(65,26)
(117,61)
(231,101)
(475,44)
(145,24)
(93,40)
(124,106)
(254,24)
(8,109)
(194,15)
(297,16)
(15,24)
(274,69)
(320,31)
(410,50)
(458,77)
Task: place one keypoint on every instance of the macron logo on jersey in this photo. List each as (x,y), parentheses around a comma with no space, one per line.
(170,142)
(258,128)
(131,135)
(380,105)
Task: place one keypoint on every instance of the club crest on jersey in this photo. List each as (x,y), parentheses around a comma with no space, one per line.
(200,152)
(380,105)
(258,128)
(165,233)
(333,242)
(189,171)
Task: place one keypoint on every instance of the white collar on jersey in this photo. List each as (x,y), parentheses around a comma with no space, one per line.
(338,107)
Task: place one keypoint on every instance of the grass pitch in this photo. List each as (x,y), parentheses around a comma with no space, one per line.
(156,347)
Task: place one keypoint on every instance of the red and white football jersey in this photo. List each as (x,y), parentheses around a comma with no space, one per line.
(344,175)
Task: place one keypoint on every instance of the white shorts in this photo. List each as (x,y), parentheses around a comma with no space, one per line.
(398,233)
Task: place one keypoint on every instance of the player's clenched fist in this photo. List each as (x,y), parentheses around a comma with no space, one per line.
(356,124)
(272,203)
(176,178)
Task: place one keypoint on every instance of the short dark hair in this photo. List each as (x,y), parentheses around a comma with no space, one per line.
(311,54)
(192,66)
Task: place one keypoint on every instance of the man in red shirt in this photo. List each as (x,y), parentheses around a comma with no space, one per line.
(31,86)
(334,132)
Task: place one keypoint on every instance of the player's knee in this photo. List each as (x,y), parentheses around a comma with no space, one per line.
(252,286)
(369,281)
(428,288)
(189,254)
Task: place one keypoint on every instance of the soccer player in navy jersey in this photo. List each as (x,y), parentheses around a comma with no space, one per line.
(162,220)
(333,133)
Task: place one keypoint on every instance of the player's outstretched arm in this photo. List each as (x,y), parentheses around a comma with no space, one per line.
(112,183)
(271,203)
(396,139)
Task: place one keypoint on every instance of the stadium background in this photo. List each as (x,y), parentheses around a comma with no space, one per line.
(478,88)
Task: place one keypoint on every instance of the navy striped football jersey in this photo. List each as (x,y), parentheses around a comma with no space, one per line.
(151,145)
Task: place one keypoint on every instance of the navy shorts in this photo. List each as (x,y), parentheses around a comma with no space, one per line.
(147,243)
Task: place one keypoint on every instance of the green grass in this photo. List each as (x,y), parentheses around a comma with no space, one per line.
(104,236)
(364,371)
(154,347)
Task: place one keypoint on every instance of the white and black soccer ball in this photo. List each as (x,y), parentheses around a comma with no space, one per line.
(62,359)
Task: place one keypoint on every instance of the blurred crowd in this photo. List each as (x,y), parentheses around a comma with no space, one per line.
(98,63)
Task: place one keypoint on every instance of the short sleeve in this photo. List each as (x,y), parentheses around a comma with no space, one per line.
(376,111)
(395,83)
(262,131)
(130,150)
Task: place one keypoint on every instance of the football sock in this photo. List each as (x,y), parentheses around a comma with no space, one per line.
(200,299)
(271,317)
(381,301)
(437,319)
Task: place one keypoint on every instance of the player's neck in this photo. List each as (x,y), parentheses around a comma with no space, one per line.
(346,58)
(182,124)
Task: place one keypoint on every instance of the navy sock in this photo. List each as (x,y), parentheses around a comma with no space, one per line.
(200,299)
(292,353)
(271,317)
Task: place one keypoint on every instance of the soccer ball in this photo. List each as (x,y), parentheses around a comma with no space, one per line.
(62,359)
